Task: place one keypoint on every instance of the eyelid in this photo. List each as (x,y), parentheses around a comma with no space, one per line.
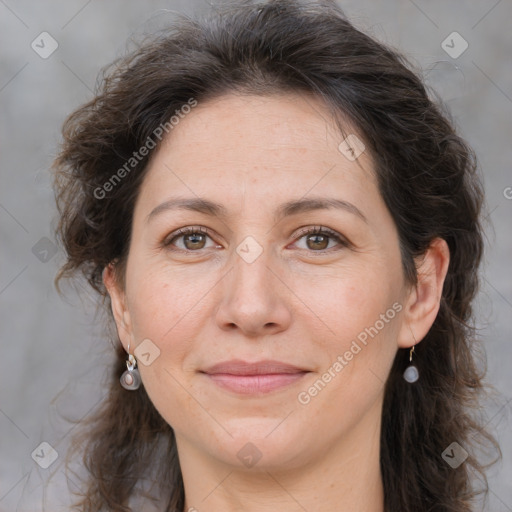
(315,229)
(342,240)
(187,230)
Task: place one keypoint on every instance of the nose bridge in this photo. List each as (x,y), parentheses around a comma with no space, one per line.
(251,276)
(249,299)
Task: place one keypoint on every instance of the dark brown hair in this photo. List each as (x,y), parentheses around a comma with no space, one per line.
(427,176)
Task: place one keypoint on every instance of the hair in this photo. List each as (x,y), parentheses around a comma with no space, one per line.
(426,174)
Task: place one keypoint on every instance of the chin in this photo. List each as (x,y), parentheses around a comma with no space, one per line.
(259,446)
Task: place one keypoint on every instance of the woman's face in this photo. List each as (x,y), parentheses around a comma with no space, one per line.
(304,326)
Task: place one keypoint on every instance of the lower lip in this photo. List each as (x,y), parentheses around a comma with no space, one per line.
(255,384)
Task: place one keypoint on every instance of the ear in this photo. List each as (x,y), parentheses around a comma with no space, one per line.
(424,299)
(119,306)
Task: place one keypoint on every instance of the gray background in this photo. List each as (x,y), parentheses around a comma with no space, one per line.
(54,347)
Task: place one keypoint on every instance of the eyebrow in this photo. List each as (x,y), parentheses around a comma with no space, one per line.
(287,209)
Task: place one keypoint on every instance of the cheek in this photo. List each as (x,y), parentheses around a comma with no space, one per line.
(353,301)
(363,315)
(164,301)
(165,307)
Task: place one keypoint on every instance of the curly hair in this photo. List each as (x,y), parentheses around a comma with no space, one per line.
(427,176)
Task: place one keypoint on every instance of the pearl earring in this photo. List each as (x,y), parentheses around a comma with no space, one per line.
(130,379)
(411,373)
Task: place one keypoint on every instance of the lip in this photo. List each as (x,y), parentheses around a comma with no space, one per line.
(254,378)
(240,367)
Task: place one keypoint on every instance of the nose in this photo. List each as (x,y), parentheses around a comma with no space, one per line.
(254,298)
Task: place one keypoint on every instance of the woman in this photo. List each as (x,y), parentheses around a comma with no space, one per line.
(287,231)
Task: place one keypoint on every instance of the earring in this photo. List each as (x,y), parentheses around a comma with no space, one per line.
(411,373)
(131,377)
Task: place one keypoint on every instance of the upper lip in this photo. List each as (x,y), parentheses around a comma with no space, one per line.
(266,367)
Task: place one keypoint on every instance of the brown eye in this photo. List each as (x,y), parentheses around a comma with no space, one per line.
(194,241)
(188,239)
(318,239)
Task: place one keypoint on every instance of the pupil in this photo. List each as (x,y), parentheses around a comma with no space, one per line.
(194,239)
(322,238)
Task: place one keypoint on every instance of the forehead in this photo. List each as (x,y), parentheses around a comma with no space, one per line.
(273,123)
(261,147)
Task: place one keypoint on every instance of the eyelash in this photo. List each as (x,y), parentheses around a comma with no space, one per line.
(302,233)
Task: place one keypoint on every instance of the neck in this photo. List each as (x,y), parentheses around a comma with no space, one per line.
(346,477)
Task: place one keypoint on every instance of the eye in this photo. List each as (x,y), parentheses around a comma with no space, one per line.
(193,238)
(317,238)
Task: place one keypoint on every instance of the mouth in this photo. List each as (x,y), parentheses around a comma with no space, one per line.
(256,378)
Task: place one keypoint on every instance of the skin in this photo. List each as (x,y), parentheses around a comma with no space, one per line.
(294,303)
